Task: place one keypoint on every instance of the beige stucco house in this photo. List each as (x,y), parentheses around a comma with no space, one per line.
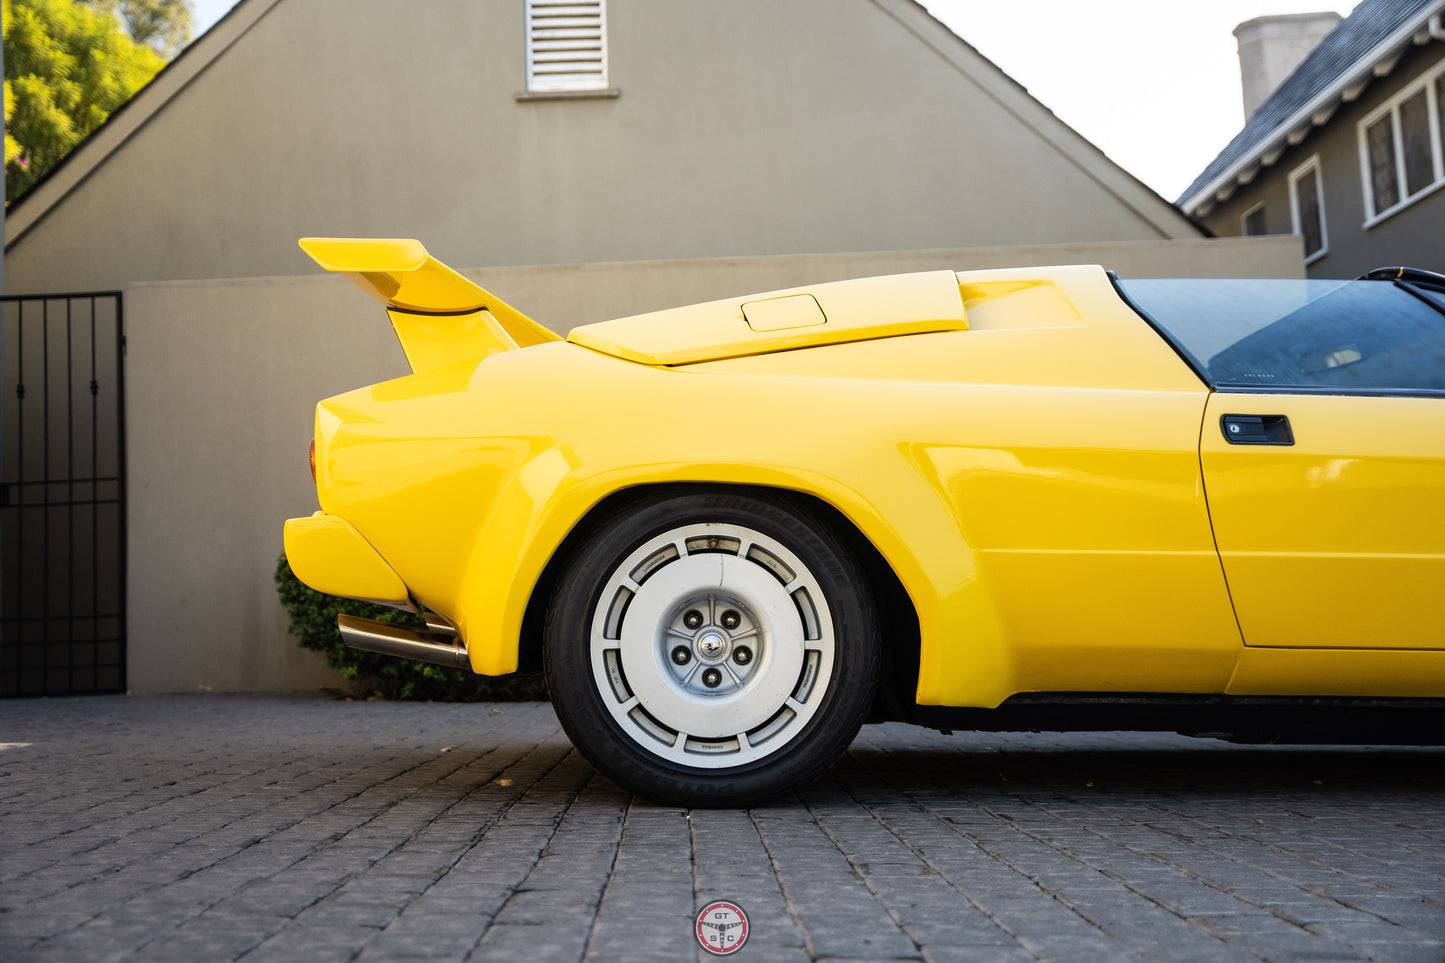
(752,127)
(581,159)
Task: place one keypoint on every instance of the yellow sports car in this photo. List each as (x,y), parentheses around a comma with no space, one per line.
(1046,498)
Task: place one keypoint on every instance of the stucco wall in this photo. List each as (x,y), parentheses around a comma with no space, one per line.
(1413,236)
(222,378)
(749,127)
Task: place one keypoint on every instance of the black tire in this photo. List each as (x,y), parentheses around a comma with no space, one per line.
(738,664)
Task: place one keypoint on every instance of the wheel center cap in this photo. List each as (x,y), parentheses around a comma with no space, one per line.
(711,646)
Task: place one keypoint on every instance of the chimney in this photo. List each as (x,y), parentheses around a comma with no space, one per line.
(1270,48)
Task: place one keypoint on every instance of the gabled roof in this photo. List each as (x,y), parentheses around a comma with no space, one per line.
(1076,139)
(29,208)
(1364,45)
(51,190)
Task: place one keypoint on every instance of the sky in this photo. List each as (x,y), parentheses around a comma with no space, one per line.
(1154,84)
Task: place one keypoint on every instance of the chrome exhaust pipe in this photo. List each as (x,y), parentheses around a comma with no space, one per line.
(405,643)
(437,625)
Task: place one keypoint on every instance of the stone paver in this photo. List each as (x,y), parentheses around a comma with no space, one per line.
(264,828)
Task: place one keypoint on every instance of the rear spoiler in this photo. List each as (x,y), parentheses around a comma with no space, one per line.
(440,316)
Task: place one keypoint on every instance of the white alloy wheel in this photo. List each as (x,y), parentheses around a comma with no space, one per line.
(711,645)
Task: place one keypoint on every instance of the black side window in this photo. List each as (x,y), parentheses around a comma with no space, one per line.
(1312,335)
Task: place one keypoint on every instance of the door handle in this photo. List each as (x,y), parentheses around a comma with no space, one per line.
(1256,429)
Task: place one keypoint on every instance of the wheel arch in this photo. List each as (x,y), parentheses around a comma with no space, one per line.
(897,612)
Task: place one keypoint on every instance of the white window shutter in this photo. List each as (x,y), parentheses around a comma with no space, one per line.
(566,45)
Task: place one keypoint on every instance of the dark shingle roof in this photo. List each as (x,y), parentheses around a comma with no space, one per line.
(1335,62)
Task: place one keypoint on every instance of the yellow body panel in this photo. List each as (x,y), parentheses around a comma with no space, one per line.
(434,341)
(1337,539)
(1019,446)
(329,555)
(818,315)
(1339,672)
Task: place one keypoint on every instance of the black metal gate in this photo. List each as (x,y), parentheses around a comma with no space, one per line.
(62,495)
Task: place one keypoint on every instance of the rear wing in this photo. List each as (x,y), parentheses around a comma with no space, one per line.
(440,317)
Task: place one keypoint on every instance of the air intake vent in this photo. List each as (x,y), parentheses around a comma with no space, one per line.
(566,45)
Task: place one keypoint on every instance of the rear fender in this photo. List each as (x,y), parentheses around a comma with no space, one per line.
(546,500)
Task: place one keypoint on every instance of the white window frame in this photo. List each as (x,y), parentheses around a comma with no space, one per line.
(1425,82)
(1244,221)
(562,85)
(1313,164)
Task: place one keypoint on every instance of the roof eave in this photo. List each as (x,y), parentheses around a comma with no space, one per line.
(1152,207)
(1316,112)
(30,208)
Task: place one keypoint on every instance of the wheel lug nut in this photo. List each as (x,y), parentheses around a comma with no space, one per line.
(731,620)
(692,619)
(742,655)
(711,678)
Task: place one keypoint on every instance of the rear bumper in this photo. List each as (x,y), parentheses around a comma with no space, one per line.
(331,556)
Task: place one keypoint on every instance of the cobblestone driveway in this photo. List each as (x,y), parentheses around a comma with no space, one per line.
(272,828)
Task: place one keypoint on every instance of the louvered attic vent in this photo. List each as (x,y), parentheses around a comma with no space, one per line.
(566,45)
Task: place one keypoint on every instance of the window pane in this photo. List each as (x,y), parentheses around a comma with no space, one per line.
(1254,222)
(1415,126)
(1380,142)
(1307,203)
(1440,107)
(1369,335)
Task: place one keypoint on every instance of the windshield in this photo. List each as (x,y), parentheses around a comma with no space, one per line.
(1307,335)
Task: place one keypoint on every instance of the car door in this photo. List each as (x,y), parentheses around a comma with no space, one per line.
(1323,456)
(1335,536)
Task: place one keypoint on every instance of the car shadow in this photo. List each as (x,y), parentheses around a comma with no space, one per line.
(1194,767)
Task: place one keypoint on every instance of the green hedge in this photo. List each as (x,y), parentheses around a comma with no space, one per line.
(313,622)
